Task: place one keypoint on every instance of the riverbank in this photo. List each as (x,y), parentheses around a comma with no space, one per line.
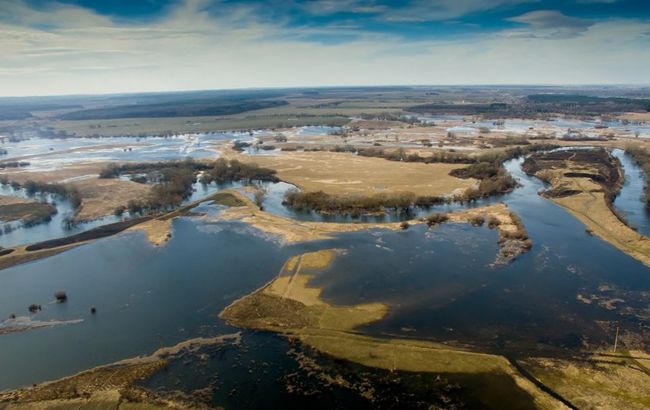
(584,185)
(28,211)
(113,385)
(513,239)
(156,228)
(290,305)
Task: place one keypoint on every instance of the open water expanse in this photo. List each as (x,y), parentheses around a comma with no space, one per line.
(439,284)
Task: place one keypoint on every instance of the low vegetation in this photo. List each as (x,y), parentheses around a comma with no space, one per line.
(173,181)
(116,170)
(63,191)
(354,204)
(223,170)
(29,214)
(436,219)
(91,234)
(493,179)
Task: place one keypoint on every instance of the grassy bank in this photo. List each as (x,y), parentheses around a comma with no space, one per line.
(292,306)
(585,182)
(28,212)
(172,180)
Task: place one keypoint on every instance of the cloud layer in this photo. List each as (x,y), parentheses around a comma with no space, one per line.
(65,48)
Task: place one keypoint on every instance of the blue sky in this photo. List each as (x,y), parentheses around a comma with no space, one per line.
(91,46)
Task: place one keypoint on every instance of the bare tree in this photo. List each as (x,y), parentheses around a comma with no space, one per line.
(259,196)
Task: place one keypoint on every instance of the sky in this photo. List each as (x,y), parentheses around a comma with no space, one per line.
(54,47)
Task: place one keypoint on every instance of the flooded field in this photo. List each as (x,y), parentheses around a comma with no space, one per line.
(437,283)
(127,297)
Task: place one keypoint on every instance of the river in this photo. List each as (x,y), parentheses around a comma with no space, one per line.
(438,283)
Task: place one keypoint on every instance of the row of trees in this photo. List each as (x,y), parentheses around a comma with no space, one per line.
(115,170)
(62,191)
(223,170)
(357,205)
(173,181)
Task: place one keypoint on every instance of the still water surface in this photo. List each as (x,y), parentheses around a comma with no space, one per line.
(437,283)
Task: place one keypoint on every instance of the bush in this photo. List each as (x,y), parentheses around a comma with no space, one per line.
(224,170)
(63,191)
(493,222)
(435,219)
(356,205)
(119,211)
(477,220)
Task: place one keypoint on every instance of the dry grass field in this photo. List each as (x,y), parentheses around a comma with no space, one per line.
(591,209)
(100,197)
(346,174)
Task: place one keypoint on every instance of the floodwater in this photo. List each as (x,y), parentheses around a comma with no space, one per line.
(631,200)
(521,126)
(14,233)
(438,283)
(146,297)
(18,234)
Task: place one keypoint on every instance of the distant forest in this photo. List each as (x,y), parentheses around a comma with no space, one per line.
(540,104)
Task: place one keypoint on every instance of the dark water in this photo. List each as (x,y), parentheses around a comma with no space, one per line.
(631,199)
(54,228)
(146,297)
(278,376)
(437,283)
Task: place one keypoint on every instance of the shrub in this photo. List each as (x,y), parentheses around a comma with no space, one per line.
(493,222)
(477,220)
(435,219)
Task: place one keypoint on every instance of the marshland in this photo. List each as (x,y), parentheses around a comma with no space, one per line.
(420,254)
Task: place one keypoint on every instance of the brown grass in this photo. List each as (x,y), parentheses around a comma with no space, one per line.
(158,231)
(344,174)
(59,175)
(591,209)
(12,200)
(108,387)
(100,197)
(290,305)
(604,381)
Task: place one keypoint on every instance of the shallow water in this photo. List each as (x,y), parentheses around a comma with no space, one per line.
(443,287)
(146,297)
(437,283)
(631,199)
(44,154)
(55,228)
(520,125)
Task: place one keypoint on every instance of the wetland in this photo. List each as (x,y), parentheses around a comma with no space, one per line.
(232,296)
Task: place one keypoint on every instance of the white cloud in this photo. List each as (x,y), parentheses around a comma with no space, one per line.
(436,10)
(193,49)
(549,24)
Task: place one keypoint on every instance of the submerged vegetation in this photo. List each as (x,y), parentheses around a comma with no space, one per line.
(62,191)
(173,181)
(28,213)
